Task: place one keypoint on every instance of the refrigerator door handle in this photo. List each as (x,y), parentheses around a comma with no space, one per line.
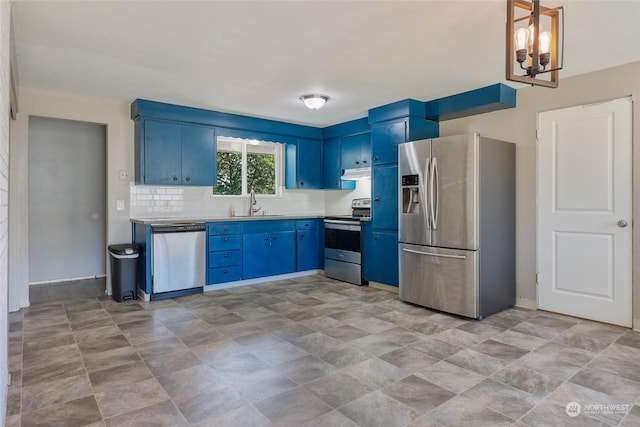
(434,255)
(433,178)
(427,197)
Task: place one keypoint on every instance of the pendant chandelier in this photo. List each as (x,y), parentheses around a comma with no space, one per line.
(535,43)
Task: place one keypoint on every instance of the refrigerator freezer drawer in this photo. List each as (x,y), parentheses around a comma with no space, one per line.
(442,279)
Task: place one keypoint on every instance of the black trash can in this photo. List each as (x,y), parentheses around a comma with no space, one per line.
(124,271)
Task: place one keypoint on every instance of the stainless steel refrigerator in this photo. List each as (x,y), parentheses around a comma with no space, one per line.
(457,224)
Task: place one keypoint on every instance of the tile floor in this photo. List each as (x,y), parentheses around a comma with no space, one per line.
(310,352)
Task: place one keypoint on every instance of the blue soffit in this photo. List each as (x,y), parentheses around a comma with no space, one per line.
(243,126)
(477,101)
(404,108)
(352,127)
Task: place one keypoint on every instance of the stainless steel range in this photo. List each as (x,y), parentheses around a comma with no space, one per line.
(343,243)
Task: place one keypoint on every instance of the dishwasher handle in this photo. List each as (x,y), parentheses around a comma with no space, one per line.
(177,228)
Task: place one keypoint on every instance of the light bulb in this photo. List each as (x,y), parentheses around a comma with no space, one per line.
(544,48)
(532,37)
(521,38)
(545,42)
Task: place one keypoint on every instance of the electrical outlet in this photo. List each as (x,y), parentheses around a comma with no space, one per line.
(119,205)
(123,175)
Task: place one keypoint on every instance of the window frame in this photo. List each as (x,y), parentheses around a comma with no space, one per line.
(279,154)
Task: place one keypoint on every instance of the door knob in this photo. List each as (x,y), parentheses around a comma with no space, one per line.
(622,223)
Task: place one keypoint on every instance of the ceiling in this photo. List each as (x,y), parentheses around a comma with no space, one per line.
(257,57)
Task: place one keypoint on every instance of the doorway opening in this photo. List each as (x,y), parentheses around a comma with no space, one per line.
(67,200)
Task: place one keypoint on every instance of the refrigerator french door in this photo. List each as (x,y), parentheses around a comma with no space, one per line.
(457,224)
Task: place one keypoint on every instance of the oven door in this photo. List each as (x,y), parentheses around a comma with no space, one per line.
(342,240)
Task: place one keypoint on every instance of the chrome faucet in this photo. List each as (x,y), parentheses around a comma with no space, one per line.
(252,203)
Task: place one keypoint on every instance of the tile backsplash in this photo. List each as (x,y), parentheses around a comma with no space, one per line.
(190,202)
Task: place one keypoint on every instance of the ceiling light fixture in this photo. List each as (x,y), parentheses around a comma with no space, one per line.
(528,42)
(314,101)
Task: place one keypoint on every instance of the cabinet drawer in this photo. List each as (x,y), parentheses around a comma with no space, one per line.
(306,224)
(223,243)
(225,274)
(224,228)
(225,258)
(268,226)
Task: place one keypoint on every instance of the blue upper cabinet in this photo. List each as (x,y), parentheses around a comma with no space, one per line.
(198,155)
(355,151)
(175,154)
(162,147)
(304,165)
(385,138)
(395,123)
(332,167)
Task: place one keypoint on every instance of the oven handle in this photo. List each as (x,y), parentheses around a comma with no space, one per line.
(435,255)
(337,221)
(342,225)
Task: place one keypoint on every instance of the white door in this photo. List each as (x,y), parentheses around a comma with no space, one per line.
(584,211)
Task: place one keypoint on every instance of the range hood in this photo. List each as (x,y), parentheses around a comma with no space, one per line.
(356,174)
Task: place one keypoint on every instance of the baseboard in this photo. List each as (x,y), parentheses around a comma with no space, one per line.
(247,282)
(69,279)
(384,287)
(635,325)
(143,296)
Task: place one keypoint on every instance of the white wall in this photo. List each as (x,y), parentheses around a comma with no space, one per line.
(5,18)
(518,125)
(115,115)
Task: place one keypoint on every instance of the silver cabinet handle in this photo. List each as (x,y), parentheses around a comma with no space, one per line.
(435,255)
(622,223)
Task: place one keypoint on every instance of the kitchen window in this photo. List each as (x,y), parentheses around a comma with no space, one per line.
(245,164)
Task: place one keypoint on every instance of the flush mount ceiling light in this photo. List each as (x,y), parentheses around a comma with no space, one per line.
(529,41)
(314,101)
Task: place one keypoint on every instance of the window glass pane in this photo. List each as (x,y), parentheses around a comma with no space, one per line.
(229,162)
(261,168)
(245,164)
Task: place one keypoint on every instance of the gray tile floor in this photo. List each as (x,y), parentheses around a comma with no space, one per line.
(310,352)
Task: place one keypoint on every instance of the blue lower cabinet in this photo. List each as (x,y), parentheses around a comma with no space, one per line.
(310,245)
(268,254)
(380,250)
(224,252)
(225,258)
(225,274)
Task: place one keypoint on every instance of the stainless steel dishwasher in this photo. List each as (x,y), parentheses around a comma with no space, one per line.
(178,260)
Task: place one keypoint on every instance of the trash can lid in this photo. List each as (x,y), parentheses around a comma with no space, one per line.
(124,249)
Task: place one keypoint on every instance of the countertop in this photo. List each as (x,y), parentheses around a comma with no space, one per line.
(171,220)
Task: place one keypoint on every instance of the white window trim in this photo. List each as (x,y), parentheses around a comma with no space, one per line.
(279,164)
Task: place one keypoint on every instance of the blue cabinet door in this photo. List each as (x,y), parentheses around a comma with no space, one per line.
(380,262)
(268,254)
(355,151)
(310,246)
(198,155)
(162,153)
(331,167)
(384,194)
(303,164)
(385,138)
